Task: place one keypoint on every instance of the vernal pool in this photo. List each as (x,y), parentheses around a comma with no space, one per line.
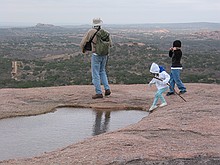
(30,136)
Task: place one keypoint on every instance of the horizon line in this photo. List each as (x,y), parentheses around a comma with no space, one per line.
(83,24)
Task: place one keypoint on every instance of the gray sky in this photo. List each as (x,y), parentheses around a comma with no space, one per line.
(110,11)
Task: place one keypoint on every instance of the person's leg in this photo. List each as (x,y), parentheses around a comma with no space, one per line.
(163,101)
(103,75)
(156,97)
(102,72)
(95,66)
(172,84)
(161,91)
(176,77)
(154,105)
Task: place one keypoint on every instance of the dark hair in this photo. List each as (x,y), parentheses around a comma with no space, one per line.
(177,43)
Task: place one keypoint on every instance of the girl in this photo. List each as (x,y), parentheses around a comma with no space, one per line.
(161,79)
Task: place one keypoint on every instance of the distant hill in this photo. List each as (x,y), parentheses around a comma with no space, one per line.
(41,25)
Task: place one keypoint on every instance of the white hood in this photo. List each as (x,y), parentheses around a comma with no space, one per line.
(154,68)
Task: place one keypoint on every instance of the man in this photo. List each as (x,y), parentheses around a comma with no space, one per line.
(98,61)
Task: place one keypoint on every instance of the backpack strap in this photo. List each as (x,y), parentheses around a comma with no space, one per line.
(94,34)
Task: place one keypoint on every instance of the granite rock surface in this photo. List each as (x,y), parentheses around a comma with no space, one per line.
(179,133)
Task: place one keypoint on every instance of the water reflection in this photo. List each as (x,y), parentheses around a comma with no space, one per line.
(33,135)
(102,120)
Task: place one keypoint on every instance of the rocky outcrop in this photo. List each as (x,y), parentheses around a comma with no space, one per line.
(180,133)
(41,25)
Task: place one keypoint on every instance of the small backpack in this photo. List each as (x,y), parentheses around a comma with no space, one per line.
(161,69)
(103,42)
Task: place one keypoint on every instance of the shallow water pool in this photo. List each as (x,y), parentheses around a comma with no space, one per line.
(30,136)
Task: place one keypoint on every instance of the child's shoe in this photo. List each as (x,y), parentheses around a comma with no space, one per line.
(169,93)
(182,92)
(163,104)
(152,108)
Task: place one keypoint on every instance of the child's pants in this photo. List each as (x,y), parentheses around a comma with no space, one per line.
(159,95)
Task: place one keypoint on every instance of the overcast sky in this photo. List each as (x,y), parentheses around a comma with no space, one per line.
(110,11)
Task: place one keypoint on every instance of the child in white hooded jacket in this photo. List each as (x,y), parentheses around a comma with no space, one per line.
(161,80)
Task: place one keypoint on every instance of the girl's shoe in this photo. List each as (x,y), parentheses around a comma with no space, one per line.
(163,104)
(152,108)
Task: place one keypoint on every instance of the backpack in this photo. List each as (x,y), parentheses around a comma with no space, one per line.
(88,45)
(103,42)
(162,69)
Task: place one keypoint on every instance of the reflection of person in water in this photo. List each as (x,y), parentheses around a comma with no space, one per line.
(99,126)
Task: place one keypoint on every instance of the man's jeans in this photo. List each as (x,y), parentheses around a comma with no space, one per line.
(175,79)
(99,75)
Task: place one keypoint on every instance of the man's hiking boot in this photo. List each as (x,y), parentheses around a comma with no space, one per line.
(97,96)
(182,92)
(169,93)
(107,92)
